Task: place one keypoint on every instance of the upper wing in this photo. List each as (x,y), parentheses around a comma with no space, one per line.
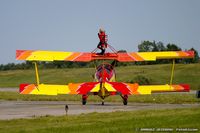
(38,55)
(153,56)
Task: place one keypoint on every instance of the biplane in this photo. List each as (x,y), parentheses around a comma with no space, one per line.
(105,83)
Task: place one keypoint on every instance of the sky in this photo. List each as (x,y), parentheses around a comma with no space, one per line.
(72,25)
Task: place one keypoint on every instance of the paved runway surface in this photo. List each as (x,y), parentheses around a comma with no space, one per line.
(9,89)
(29,109)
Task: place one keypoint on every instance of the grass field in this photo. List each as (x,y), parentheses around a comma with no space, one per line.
(124,122)
(155,98)
(159,74)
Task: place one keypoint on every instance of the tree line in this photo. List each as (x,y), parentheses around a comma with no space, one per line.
(144,46)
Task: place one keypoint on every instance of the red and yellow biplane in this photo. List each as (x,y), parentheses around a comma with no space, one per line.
(105,84)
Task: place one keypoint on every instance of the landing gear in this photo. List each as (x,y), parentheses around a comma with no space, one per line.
(84,102)
(125,99)
(198,94)
(84,99)
(102,103)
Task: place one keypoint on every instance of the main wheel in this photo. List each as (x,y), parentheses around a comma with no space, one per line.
(125,99)
(125,102)
(198,94)
(84,99)
(84,102)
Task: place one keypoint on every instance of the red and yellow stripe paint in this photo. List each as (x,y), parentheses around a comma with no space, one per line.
(47,89)
(135,89)
(153,56)
(38,55)
(91,87)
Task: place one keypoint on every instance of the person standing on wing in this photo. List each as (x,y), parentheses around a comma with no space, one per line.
(102,41)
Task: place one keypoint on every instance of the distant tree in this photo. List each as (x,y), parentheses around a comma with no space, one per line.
(1,67)
(58,64)
(155,47)
(172,47)
(28,64)
(146,46)
(121,51)
(195,59)
(196,56)
(160,46)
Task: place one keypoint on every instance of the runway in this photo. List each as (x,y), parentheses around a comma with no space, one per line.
(30,109)
(9,89)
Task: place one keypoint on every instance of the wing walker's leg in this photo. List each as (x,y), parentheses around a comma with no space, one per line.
(36,73)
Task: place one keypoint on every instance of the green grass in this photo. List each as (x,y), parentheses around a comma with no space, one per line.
(155,98)
(54,76)
(159,74)
(124,122)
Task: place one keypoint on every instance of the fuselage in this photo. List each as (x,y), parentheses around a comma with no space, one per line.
(105,73)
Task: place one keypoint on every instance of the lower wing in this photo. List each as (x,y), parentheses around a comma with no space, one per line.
(48,89)
(93,87)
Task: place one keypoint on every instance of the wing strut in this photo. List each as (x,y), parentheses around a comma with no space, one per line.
(36,73)
(172,72)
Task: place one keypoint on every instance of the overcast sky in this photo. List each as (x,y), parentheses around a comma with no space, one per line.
(72,25)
